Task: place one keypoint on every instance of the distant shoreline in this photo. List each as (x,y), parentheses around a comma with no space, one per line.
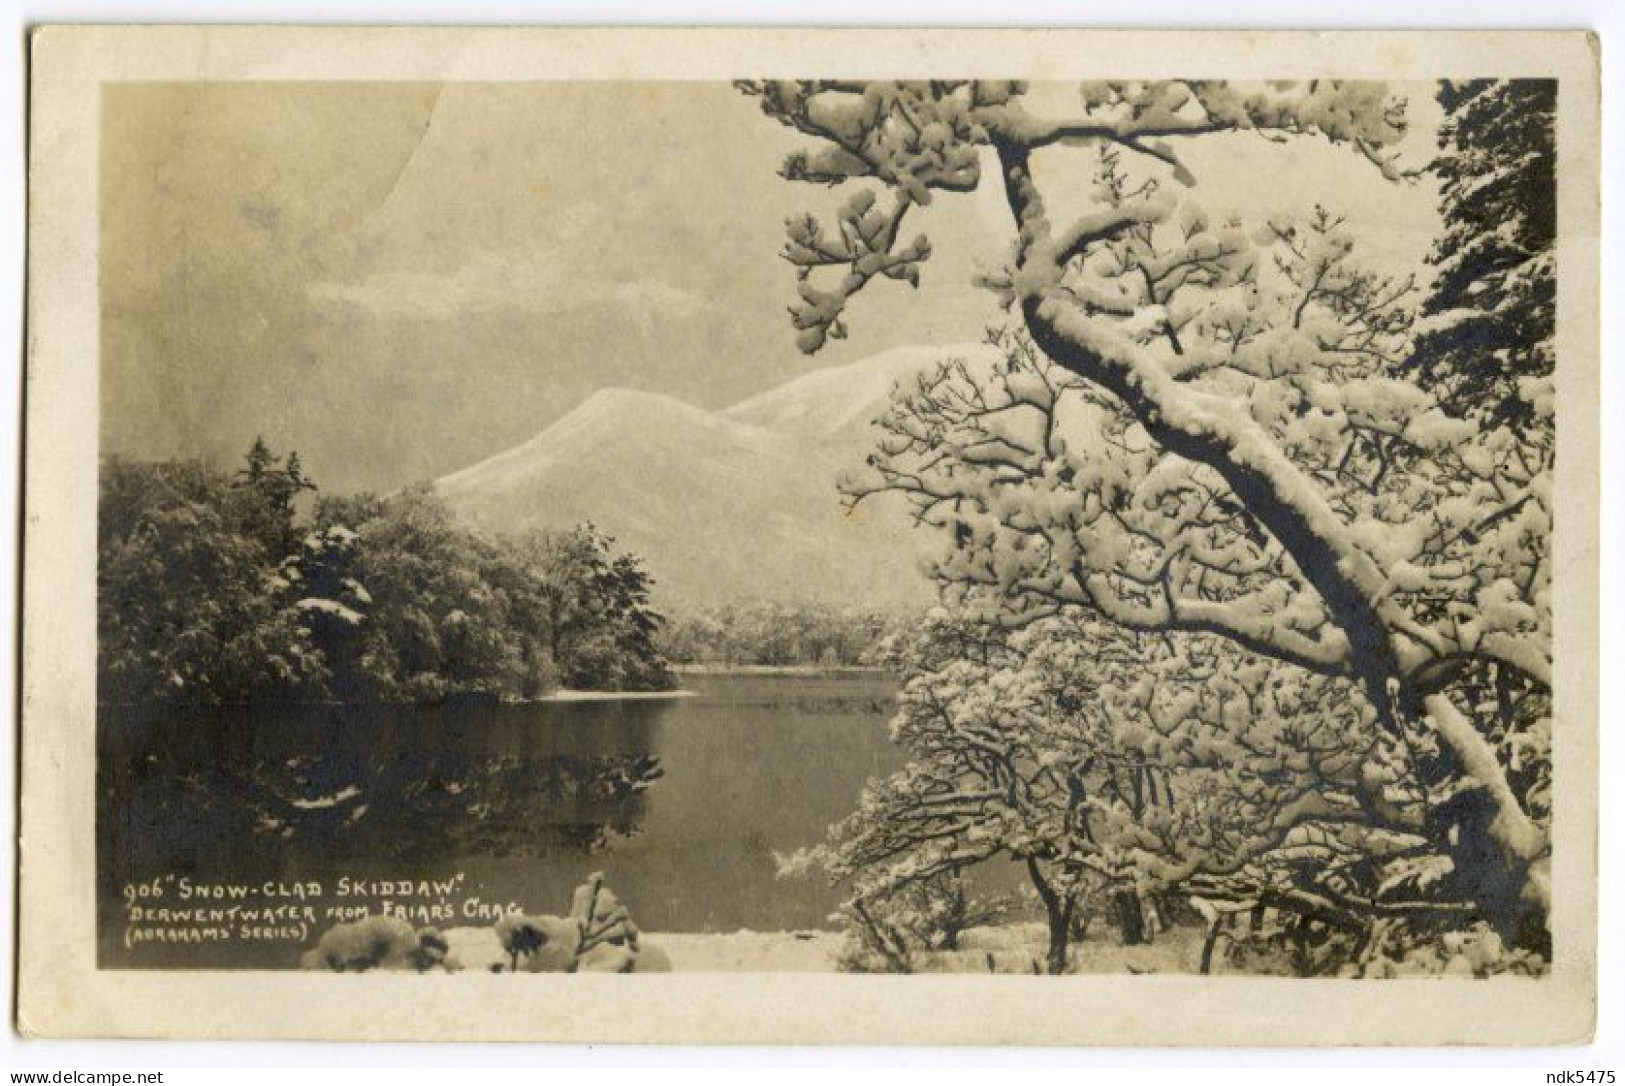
(777,669)
(758,670)
(616,695)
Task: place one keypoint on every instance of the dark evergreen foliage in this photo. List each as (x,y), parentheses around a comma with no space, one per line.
(1492,310)
(215,590)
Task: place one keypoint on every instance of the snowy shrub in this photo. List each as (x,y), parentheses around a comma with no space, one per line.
(377,942)
(874,943)
(937,911)
(597,936)
(539,944)
(886,934)
(609,939)
(1476,952)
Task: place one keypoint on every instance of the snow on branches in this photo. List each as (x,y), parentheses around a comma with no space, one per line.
(1208,430)
(1105,761)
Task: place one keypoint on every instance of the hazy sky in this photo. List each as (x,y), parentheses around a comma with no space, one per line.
(402,279)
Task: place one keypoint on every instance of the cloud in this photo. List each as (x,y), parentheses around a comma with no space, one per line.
(488,281)
(647,293)
(494,280)
(574,221)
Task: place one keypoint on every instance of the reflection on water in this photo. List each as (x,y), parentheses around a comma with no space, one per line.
(681,802)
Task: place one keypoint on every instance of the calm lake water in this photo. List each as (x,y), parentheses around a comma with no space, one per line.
(681,802)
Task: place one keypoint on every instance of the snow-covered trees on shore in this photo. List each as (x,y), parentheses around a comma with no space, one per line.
(781,635)
(213,589)
(1214,446)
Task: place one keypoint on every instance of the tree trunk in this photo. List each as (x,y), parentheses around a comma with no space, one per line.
(1270,487)
(1059,934)
(1058,916)
(1502,856)
(1511,853)
(1081,918)
(1129,918)
(890,945)
(1207,947)
(958,912)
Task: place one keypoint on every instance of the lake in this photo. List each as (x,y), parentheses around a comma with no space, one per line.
(681,802)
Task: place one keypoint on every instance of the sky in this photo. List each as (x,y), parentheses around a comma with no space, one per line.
(399,280)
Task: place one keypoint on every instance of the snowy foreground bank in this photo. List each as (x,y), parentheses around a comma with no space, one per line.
(598,936)
(1002,950)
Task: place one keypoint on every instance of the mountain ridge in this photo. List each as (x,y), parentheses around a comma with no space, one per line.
(734,505)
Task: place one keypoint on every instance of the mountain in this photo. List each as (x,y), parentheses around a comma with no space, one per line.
(727,506)
(834,401)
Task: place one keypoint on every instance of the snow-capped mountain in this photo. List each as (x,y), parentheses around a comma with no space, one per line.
(827,402)
(732,505)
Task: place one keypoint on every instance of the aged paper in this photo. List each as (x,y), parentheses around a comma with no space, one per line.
(1142,592)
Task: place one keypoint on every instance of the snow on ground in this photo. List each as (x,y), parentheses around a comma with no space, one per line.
(750,951)
(1015,949)
(778,669)
(1012,949)
(474,949)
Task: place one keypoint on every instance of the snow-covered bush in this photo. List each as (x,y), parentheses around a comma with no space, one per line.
(539,944)
(886,933)
(1476,952)
(597,936)
(377,942)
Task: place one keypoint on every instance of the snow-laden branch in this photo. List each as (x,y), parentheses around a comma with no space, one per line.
(1212,430)
(1524,844)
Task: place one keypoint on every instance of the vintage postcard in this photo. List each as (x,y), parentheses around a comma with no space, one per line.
(811,536)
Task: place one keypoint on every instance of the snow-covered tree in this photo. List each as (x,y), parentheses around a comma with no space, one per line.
(986,779)
(190,605)
(1491,312)
(214,589)
(1268,469)
(1122,767)
(603,627)
(265,490)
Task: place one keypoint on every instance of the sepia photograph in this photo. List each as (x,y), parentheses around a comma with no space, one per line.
(810,533)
